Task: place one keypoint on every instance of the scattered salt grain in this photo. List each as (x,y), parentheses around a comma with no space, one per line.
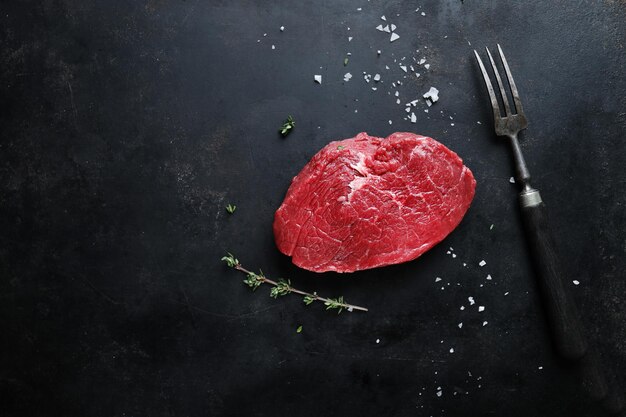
(462,308)
(383,17)
(347,76)
(386,29)
(427,66)
(393,27)
(576,282)
(397,94)
(349,38)
(481,309)
(377,77)
(423,14)
(437,279)
(512,180)
(484,323)
(318,79)
(394,36)
(378,52)
(540,367)
(403,68)
(273,47)
(471,300)
(482,263)
(460,325)
(350,309)
(451,350)
(390,122)
(397,101)
(282,28)
(506,293)
(377,340)
(488,277)
(422,61)
(439,392)
(380,27)
(414,120)
(432,95)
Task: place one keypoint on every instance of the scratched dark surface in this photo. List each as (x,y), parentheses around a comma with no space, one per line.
(126,127)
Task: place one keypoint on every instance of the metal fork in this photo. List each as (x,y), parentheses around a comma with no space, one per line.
(566,328)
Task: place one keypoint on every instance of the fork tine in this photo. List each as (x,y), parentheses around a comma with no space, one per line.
(507,108)
(516,99)
(492,94)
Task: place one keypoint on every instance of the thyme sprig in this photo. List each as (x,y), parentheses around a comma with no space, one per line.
(282,287)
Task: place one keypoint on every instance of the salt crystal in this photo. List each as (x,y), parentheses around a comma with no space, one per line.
(394,36)
(425,110)
(422,61)
(403,68)
(386,29)
(380,27)
(506,293)
(481,309)
(383,17)
(460,325)
(377,77)
(451,350)
(390,122)
(540,367)
(576,282)
(413,118)
(484,323)
(273,47)
(349,38)
(427,66)
(482,263)
(432,95)
(454,255)
(471,300)
(397,101)
(437,279)
(378,52)
(318,79)
(397,94)
(462,308)
(488,278)
(347,76)
(423,14)
(282,28)
(512,180)
(377,340)
(451,124)
(439,392)
(393,27)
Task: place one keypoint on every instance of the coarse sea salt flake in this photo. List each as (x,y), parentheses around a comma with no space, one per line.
(488,278)
(380,27)
(427,66)
(377,77)
(403,68)
(413,118)
(386,29)
(451,350)
(393,27)
(318,79)
(481,309)
(512,180)
(460,325)
(471,300)
(432,95)
(394,36)
(423,14)
(347,76)
(282,28)
(383,17)
(377,340)
(576,282)
(437,279)
(482,263)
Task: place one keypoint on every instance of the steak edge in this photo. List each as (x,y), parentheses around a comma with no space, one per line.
(367,202)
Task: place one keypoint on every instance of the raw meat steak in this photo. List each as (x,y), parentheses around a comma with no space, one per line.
(366,202)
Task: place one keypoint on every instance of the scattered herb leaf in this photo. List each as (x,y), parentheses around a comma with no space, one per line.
(491,227)
(299,329)
(287,126)
(340,147)
(231,208)
(345,61)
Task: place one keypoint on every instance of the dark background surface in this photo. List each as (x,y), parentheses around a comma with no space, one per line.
(126,127)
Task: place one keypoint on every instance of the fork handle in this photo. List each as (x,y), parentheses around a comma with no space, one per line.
(561,311)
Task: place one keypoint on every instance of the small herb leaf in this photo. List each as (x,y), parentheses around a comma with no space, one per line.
(231,208)
(299,329)
(287,126)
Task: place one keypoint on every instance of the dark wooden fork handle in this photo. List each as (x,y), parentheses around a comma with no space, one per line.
(562,314)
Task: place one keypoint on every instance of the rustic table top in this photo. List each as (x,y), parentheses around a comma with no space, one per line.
(127,127)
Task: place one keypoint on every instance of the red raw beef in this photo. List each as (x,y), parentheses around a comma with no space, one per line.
(366,202)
